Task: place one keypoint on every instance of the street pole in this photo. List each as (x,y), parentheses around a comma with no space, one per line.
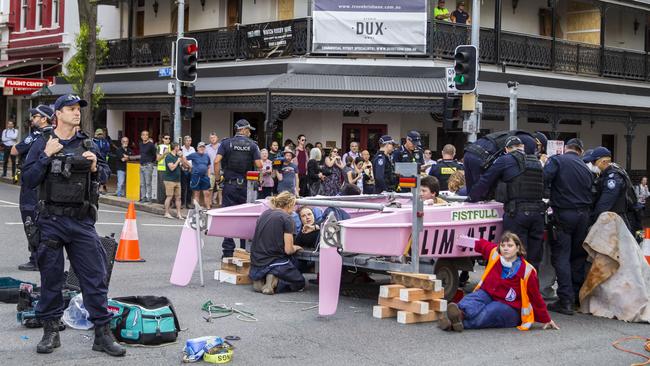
(512,85)
(177,98)
(476,31)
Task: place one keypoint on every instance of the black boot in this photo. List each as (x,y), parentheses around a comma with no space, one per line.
(50,339)
(29,266)
(561,306)
(104,341)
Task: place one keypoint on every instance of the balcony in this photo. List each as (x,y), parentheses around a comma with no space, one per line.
(518,50)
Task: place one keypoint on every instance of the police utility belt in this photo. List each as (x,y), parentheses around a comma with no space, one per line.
(235,181)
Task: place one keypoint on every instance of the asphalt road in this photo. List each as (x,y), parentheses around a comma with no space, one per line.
(285,334)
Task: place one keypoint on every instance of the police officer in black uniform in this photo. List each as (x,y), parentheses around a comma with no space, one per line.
(238,155)
(568,182)
(446,166)
(410,152)
(382,166)
(41,117)
(520,187)
(615,191)
(67,170)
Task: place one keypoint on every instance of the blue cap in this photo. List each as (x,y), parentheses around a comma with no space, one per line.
(541,137)
(587,156)
(242,123)
(575,143)
(415,137)
(42,110)
(386,140)
(513,141)
(600,152)
(68,100)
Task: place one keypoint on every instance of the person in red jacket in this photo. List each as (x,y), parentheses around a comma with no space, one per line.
(507,295)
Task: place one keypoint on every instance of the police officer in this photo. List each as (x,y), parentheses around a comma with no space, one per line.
(615,191)
(68,171)
(482,153)
(568,182)
(41,117)
(382,166)
(520,188)
(446,166)
(238,155)
(411,151)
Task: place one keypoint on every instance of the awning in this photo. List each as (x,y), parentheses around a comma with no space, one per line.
(287,83)
(568,96)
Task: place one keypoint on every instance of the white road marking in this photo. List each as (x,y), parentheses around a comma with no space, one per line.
(9,206)
(8,203)
(163,225)
(114,224)
(111,211)
(13,223)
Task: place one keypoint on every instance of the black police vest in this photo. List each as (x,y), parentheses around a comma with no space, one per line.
(498,139)
(527,187)
(389,170)
(68,179)
(240,155)
(626,200)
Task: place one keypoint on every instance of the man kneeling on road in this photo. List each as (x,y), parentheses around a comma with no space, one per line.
(273,268)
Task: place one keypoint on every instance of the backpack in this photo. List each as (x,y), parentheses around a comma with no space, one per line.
(149,320)
(499,140)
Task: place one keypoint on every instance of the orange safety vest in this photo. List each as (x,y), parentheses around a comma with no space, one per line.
(527,315)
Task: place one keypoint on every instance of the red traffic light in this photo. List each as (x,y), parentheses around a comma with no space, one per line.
(191,48)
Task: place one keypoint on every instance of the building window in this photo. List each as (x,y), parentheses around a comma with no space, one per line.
(39,14)
(24,14)
(55,12)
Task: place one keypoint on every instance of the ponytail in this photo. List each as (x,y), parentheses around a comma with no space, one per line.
(283,201)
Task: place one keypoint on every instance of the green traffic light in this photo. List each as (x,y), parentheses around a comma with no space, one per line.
(459,79)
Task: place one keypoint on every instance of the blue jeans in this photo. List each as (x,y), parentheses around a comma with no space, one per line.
(146,175)
(481,311)
(121,181)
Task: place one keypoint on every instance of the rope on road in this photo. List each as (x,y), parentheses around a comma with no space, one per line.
(222,311)
(646,347)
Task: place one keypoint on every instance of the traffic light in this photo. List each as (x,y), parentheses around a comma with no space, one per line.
(466,68)
(187,101)
(452,115)
(187,53)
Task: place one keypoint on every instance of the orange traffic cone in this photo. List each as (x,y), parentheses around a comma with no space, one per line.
(645,247)
(129,247)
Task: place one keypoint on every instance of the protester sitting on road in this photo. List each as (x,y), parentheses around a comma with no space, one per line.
(456,183)
(429,191)
(309,232)
(507,295)
(172,180)
(273,268)
(288,180)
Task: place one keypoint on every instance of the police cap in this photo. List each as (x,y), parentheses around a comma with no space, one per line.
(68,100)
(541,137)
(600,152)
(386,140)
(414,137)
(242,123)
(576,143)
(513,141)
(587,156)
(42,110)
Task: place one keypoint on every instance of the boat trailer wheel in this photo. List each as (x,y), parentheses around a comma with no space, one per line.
(331,234)
(448,274)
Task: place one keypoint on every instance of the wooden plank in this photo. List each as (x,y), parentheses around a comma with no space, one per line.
(228,267)
(234,278)
(424,276)
(405,317)
(382,312)
(419,307)
(389,291)
(242,270)
(415,294)
(242,253)
(241,262)
(416,280)
(438,305)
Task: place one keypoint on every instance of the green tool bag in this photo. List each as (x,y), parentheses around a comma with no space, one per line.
(149,320)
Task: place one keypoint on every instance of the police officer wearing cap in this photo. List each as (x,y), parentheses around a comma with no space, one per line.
(568,182)
(383,168)
(237,155)
(410,152)
(520,187)
(614,187)
(68,170)
(41,117)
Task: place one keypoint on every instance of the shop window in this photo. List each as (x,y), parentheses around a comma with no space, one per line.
(24,14)
(55,12)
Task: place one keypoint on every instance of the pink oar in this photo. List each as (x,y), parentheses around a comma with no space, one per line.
(186,257)
(329,280)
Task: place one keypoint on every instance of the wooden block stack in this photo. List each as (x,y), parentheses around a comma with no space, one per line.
(412,298)
(235,269)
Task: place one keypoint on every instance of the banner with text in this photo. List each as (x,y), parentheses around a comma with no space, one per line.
(370,26)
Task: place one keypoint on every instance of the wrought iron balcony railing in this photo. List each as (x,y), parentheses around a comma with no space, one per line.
(291,38)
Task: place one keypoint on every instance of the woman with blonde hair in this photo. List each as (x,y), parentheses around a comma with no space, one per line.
(273,268)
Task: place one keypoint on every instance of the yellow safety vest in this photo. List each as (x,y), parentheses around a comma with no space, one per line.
(161,162)
(527,314)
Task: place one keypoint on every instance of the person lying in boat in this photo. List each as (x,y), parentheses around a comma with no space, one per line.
(309,232)
(429,190)
(273,267)
(507,295)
